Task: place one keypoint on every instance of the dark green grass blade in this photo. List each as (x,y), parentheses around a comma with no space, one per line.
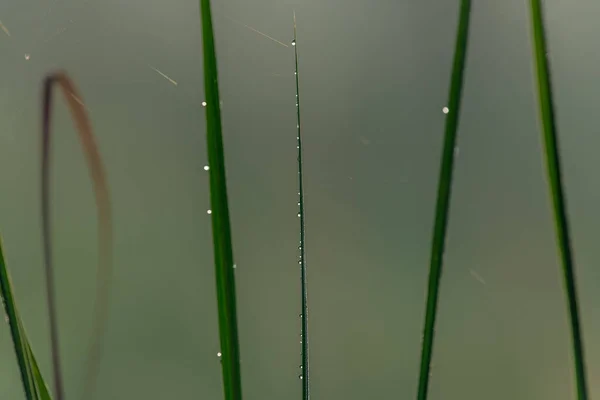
(33,384)
(304,376)
(443,196)
(230,353)
(556,191)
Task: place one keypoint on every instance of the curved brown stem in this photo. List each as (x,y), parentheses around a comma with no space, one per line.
(104,270)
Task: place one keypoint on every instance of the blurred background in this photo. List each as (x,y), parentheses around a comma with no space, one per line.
(374,77)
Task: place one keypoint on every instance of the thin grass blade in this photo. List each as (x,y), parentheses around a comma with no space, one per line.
(304,375)
(104,269)
(223,249)
(443,196)
(553,168)
(33,383)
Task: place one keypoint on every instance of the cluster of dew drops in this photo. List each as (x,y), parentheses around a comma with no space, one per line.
(206,168)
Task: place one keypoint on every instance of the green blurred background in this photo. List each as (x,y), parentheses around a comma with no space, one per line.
(374,77)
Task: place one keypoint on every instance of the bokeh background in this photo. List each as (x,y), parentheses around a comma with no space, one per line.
(374,76)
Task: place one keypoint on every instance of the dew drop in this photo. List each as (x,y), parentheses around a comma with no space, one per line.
(219,354)
(298,215)
(27,56)
(300,376)
(234,266)
(203,104)
(209,211)
(445,110)
(293,42)
(206,167)
(301,367)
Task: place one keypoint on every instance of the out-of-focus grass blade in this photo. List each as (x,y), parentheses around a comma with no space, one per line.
(303,280)
(104,270)
(544,84)
(33,383)
(443,196)
(228,331)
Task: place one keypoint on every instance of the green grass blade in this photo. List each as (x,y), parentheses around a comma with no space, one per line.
(443,197)
(230,353)
(304,376)
(33,384)
(552,156)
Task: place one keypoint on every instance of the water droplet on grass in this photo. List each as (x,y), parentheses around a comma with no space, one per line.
(27,56)
(209,211)
(445,110)
(293,42)
(203,104)
(206,167)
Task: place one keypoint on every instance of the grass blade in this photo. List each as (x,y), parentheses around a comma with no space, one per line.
(304,376)
(104,270)
(552,156)
(443,196)
(33,384)
(228,331)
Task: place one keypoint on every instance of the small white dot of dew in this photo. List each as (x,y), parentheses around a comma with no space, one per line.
(445,110)
(27,56)
(209,211)
(219,354)
(206,167)
(203,104)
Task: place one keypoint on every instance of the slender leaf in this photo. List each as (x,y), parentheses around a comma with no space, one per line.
(104,270)
(230,353)
(304,376)
(550,137)
(443,196)
(33,384)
